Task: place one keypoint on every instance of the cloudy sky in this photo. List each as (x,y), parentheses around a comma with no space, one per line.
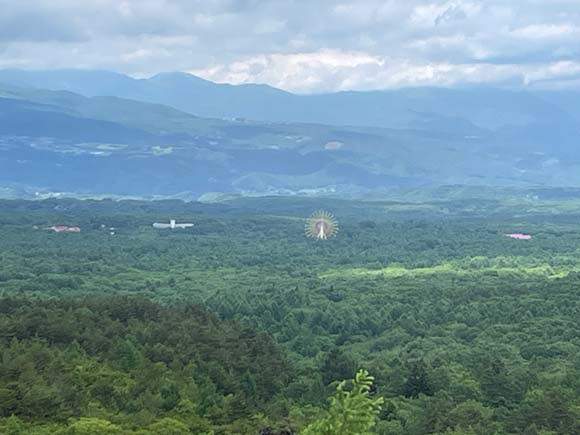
(303,45)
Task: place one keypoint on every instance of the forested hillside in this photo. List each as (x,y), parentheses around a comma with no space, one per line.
(242,325)
(345,144)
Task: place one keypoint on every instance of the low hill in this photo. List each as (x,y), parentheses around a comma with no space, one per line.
(65,142)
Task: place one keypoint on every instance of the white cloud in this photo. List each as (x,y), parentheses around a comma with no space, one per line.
(329,71)
(546,32)
(303,45)
(556,71)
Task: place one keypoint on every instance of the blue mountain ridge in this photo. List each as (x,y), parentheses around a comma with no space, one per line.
(102,132)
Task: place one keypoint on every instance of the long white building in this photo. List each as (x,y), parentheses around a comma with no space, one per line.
(172,224)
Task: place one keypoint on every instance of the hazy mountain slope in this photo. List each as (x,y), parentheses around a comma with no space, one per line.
(151,117)
(24,118)
(90,83)
(566,100)
(433,109)
(58,147)
(58,140)
(44,147)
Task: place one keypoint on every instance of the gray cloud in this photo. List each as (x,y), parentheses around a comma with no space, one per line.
(302,45)
(37,21)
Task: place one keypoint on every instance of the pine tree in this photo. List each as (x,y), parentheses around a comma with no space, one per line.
(418,382)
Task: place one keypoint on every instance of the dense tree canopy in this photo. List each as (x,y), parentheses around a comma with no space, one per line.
(243,325)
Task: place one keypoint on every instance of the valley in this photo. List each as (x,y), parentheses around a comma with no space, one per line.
(144,149)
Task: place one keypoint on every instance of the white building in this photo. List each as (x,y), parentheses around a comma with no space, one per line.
(171,225)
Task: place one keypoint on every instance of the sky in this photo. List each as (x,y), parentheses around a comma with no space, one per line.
(304,46)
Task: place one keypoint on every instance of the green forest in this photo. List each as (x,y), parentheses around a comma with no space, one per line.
(417,318)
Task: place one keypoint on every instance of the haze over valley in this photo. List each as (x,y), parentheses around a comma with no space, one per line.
(177,135)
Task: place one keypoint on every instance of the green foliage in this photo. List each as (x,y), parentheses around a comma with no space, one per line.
(93,426)
(169,426)
(129,356)
(241,324)
(418,382)
(351,412)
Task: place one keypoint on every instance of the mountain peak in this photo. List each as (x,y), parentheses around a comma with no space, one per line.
(178,77)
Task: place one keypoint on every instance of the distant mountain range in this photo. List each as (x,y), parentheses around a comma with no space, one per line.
(423,108)
(97,132)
